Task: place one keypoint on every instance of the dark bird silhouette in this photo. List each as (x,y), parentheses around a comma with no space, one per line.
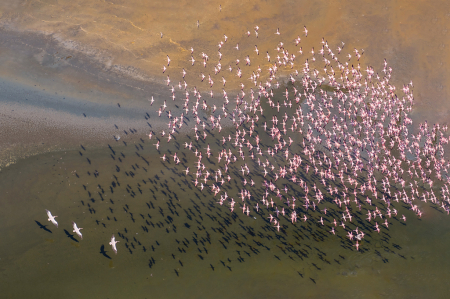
(103,252)
(44,227)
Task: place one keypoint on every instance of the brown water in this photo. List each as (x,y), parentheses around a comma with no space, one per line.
(123,38)
(109,52)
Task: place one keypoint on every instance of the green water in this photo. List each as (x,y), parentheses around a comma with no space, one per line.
(250,258)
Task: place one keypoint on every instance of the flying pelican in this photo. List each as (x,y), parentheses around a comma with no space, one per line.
(113,243)
(52,218)
(77,230)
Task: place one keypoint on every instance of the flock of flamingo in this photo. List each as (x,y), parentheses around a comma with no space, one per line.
(317,138)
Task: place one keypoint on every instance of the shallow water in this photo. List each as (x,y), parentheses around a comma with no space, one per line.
(94,55)
(240,256)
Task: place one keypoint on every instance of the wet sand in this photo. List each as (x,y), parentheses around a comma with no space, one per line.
(62,60)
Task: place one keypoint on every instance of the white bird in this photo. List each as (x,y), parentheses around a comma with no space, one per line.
(77,230)
(113,243)
(52,218)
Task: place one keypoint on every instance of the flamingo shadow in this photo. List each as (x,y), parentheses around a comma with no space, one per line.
(69,235)
(44,227)
(102,251)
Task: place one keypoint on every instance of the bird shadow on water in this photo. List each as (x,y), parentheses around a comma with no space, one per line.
(69,235)
(102,251)
(44,227)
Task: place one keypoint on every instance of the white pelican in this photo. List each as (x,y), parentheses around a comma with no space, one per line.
(52,218)
(113,243)
(77,230)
